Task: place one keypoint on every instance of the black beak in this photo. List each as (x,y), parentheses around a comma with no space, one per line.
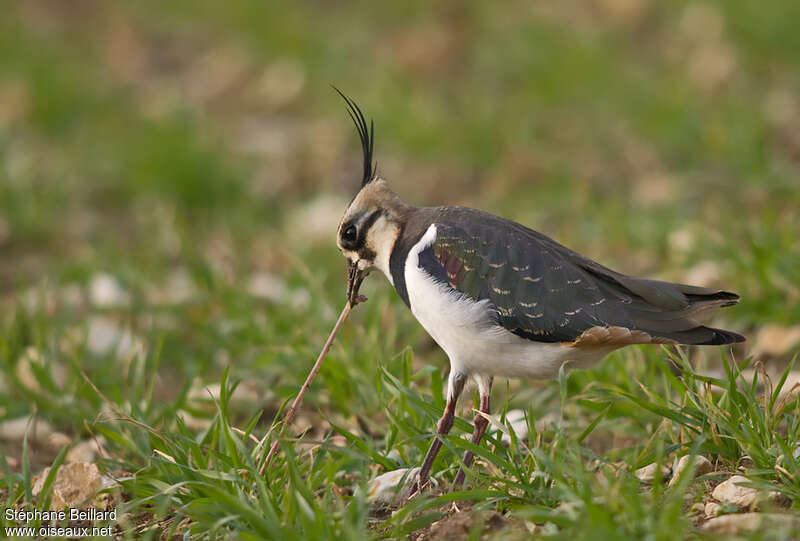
(354,278)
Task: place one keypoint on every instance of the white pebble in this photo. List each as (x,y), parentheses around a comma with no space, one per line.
(386,489)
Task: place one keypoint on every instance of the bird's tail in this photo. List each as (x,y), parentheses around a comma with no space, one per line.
(703,336)
(680,325)
(666,310)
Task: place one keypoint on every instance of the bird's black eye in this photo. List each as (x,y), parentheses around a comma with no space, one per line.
(349,234)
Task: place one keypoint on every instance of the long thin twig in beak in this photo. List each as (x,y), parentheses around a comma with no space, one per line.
(354,278)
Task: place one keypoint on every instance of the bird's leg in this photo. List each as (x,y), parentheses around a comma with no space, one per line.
(455,384)
(485,392)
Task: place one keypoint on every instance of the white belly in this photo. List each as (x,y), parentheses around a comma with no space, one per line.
(464,329)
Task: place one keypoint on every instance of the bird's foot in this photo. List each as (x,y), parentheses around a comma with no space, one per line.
(416,489)
(419,486)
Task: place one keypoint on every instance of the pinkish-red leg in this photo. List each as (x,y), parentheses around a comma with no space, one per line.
(454,388)
(485,391)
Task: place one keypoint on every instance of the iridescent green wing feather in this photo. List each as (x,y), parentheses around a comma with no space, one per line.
(535,292)
(543,291)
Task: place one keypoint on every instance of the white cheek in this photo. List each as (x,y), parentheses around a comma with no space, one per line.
(363,264)
(382,243)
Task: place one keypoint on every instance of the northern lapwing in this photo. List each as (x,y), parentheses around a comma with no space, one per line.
(504,300)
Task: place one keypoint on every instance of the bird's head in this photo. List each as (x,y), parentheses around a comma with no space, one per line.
(372,222)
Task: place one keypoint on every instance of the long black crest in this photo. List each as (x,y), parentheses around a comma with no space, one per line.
(367,135)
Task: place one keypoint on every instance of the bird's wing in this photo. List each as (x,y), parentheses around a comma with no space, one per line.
(545,292)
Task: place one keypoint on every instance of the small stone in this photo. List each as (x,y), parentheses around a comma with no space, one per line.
(105,336)
(385,490)
(778,499)
(570,508)
(650,473)
(712,509)
(681,240)
(705,272)
(75,485)
(315,220)
(57,440)
(701,465)
(519,425)
(266,286)
(15,429)
(339,441)
(106,292)
(698,508)
(731,491)
(87,450)
(746,463)
(269,287)
(776,340)
(749,522)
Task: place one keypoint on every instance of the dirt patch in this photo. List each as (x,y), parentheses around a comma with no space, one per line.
(461,523)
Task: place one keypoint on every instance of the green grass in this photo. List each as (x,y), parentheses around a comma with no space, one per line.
(152,144)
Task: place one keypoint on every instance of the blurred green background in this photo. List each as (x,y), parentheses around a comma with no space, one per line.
(172,175)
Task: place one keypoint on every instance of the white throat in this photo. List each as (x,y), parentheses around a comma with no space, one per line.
(381,241)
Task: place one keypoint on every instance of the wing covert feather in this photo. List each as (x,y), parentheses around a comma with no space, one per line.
(536,293)
(543,291)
